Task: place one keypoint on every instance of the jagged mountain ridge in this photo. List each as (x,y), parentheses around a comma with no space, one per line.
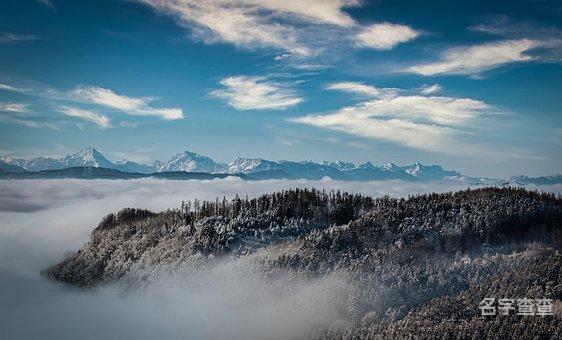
(259,168)
(88,157)
(192,162)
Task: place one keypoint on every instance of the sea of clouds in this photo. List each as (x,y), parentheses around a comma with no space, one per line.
(42,221)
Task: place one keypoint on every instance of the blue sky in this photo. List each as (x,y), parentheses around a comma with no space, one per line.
(474,86)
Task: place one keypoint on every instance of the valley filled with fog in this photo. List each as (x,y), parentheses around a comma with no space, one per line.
(43,221)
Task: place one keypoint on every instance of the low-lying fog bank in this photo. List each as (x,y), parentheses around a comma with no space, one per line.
(42,220)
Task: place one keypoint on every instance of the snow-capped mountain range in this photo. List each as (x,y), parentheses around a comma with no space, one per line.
(261,168)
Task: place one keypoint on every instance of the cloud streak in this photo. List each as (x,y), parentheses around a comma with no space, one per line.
(130,105)
(11,38)
(429,123)
(47,3)
(98,96)
(20,113)
(14,107)
(256,93)
(414,135)
(361,89)
(473,60)
(89,116)
(6,87)
(254,23)
(301,29)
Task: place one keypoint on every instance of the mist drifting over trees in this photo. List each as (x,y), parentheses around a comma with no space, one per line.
(385,266)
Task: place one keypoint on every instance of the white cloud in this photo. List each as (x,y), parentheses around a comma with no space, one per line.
(385,36)
(47,3)
(256,93)
(136,106)
(389,103)
(430,89)
(19,113)
(473,60)
(320,11)
(254,23)
(303,28)
(414,135)
(309,66)
(362,89)
(440,110)
(28,123)
(6,87)
(428,123)
(129,105)
(14,107)
(8,37)
(90,116)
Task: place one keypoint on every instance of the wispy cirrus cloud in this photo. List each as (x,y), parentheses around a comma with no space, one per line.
(256,93)
(385,36)
(14,107)
(361,89)
(475,59)
(429,123)
(90,116)
(403,132)
(549,37)
(47,3)
(6,87)
(301,29)
(10,37)
(139,106)
(254,23)
(98,96)
(21,114)
(29,123)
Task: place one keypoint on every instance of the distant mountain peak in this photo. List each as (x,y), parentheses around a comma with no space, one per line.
(366,165)
(191,154)
(191,162)
(390,167)
(429,172)
(87,157)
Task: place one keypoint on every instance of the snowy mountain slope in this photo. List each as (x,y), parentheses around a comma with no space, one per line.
(34,164)
(542,180)
(428,172)
(251,165)
(130,166)
(192,162)
(340,165)
(87,157)
(310,170)
(9,167)
(369,172)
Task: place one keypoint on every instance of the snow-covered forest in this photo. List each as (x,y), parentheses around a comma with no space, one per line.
(408,267)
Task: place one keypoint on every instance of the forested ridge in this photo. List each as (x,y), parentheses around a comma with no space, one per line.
(416,266)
